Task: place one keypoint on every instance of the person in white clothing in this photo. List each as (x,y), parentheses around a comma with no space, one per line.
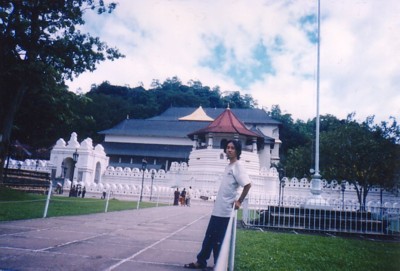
(235,176)
(188,196)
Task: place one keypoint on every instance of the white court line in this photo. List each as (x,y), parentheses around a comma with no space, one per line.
(152,245)
(51,247)
(68,243)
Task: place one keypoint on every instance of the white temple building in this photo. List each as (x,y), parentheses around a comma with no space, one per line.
(201,169)
(163,139)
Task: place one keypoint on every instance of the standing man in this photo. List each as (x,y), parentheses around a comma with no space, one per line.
(83,191)
(176,196)
(188,196)
(234,176)
(183,197)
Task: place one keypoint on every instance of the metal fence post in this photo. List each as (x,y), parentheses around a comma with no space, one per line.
(108,198)
(48,199)
(138,203)
(233,243)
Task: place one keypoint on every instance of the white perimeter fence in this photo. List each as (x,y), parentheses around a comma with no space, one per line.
(336,217)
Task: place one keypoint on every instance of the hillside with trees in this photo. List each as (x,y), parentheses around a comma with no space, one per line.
(106,105)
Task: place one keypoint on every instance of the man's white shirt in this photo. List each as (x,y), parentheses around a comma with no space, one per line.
(235,176)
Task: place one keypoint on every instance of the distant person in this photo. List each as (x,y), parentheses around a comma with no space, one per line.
(176,196)
(83,191)
(72,191)
(104,194)
(188,196)
(58,189)
(234,176)
(183,197)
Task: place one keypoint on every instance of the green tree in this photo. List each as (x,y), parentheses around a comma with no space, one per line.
(293,135)
(235,100)
(364,154)
(57,112)
(52,115)
(105,105)
(40,46)
(359,155)
(298,162)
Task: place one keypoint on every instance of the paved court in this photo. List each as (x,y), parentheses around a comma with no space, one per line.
(162,238)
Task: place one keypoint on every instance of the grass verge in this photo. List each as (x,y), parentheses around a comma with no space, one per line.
(287,251)
(16,205)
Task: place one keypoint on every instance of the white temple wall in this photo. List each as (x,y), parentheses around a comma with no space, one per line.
(89,158)
(203,183)
(251,162)
(264,156)
(214,160)
(267,130)
(273,154)
(210,160)
(265,185)
(61,156)
(87,163)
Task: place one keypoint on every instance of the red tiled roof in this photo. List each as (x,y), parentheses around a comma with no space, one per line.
(227,122)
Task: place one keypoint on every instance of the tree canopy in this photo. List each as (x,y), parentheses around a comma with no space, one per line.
(364,154)
(40,47)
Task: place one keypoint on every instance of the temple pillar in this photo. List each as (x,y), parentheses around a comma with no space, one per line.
(254,149)
(210,141)
(195,142)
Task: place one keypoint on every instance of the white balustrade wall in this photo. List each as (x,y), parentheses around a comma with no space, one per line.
(266,188)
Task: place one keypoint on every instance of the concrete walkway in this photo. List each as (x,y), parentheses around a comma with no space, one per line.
(162,238)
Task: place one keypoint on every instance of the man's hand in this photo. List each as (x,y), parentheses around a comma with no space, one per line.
(237,204)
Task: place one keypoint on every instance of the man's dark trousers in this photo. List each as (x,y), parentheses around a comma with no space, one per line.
(213,239)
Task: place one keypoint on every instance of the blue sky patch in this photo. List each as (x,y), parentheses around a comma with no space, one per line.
(308,24)
(217,59)
(243,74)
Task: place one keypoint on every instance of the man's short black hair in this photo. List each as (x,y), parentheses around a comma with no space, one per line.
(237,145)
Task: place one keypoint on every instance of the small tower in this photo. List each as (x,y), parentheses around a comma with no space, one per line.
(208,148)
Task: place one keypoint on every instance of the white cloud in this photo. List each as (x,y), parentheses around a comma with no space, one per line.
(359,58)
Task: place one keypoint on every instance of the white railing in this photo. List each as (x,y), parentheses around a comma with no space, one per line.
(335,218)
(226,258)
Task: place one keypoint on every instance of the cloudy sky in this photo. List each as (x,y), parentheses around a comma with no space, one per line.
(266,48)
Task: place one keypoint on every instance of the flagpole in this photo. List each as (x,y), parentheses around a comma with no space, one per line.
(318,117)
(317,201)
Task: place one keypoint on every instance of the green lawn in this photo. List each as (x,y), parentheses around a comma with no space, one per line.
(259,251)
(15,205)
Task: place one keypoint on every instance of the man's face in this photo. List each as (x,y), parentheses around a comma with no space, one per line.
(230,151)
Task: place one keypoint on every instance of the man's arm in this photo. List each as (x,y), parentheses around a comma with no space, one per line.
(246,189)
